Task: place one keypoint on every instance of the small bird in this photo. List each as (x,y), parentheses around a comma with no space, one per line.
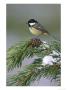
(36,28)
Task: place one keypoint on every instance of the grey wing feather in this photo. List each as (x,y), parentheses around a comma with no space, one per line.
(40,27)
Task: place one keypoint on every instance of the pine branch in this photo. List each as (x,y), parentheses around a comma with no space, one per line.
(36,70)
(14,55)
(17,53)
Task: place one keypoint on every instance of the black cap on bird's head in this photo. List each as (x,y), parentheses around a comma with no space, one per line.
(32,22)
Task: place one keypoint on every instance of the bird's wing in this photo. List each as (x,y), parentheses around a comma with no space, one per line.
(40,27)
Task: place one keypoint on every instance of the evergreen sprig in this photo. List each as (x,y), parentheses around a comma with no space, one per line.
(16,54)
(34,72)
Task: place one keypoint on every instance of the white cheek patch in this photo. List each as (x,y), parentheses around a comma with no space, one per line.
(32,24)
